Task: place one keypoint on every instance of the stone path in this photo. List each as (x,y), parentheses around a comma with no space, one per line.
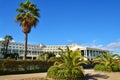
(89,75)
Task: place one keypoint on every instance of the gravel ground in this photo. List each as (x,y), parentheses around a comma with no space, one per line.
(89,75)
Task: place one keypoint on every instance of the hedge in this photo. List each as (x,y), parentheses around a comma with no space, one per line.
(23,66)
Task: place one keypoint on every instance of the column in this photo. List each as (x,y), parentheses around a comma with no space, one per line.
(85,54)
(92,55)
(32,57)
(95,54)
(89,54)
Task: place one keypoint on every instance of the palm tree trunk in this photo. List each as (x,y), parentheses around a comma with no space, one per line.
(6,50)
(25,45)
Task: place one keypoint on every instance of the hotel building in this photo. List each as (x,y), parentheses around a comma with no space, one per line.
(36,50)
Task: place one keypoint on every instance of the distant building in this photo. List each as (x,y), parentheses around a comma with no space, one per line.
(36,50)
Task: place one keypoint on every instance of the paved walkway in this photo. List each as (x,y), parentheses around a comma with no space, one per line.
(34,76)
(89,75)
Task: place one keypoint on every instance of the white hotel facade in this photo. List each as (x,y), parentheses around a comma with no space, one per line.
(36,50)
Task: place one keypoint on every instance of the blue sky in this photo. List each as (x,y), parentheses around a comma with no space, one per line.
(93,23)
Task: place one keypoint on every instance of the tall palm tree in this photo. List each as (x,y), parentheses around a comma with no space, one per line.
(27,17)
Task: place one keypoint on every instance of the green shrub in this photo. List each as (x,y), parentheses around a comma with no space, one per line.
(52,72)
(107,62)
(77,74)
(61,74)
(116,68)
(58,73)
(1,65)
(100,67)
(10,65)
(108,69)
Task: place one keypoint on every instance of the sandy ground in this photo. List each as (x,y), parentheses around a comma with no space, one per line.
(89,75)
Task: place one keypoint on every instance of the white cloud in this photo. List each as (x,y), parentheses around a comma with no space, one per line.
(114,45)
(95,45)
(69,40)
(1,39)
(94,41)
(13,40)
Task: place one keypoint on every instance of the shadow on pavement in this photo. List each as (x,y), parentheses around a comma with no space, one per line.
(95,76)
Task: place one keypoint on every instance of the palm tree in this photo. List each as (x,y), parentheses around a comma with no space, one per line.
(5,44)
(70,59)
(7,38)
(27,17)
(68,66)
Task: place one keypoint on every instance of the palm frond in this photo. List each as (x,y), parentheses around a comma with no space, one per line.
(28,14)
